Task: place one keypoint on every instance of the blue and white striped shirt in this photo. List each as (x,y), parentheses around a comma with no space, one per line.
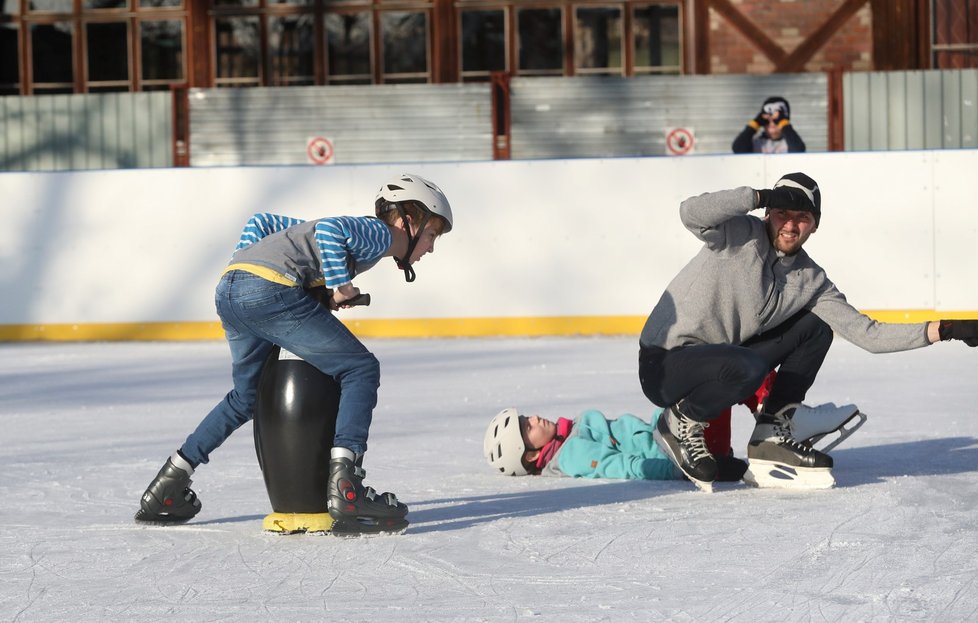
(329,251)
(262,225)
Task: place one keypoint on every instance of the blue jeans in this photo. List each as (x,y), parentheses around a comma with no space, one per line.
(256,315)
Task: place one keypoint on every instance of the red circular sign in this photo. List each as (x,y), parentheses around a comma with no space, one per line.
(679,141)
(320,150)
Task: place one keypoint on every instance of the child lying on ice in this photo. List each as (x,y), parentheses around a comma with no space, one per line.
(591,446)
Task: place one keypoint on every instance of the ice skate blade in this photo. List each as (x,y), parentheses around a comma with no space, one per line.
(770,475)
(837,436)
(298,523)
(149,519)
(365,526)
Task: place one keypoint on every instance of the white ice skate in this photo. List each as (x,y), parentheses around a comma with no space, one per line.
(825,426)
(774,475)
(808,426)
(777,459)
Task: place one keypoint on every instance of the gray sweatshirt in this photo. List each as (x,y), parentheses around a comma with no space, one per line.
(739,286)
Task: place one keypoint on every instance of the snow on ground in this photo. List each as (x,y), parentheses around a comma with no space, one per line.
(84,428)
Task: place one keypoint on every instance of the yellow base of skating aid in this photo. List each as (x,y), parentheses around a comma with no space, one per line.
(292,523)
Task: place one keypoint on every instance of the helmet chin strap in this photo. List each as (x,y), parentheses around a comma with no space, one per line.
(404,262)
(408,271)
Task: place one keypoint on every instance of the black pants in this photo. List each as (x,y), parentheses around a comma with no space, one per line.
(708,378)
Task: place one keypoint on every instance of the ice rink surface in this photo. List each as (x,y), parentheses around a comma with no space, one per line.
(85,427)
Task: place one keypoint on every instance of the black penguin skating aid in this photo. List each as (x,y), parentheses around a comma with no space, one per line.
(295,420)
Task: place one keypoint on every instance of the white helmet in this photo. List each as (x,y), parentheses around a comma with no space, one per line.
(410,187)
(503,446)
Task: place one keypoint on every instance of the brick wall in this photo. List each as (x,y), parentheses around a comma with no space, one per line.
(788,23)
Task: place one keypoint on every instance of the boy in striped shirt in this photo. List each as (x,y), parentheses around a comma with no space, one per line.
(267,297)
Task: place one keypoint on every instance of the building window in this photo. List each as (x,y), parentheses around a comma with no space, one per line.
(108,56)
(9,48)
(65,46)
(955,34)
(52,58)
(273,42)
(162,44)
(598,40)
(601,40)
(656,39)
(405,45)
(541,42)
(237,51)
(78,46)
(348,48)
(49,6)
(291,50)
(482,43)
(105,4)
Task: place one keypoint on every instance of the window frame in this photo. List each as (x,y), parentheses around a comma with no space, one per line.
(256,80)
(622,42)
(385,77)
(476,75)
(80,17)
(569,20)
(51,87)
(951,54)
(353,78)
(562,8)
(91,85)
(200,20)
(658,70)
(157,83)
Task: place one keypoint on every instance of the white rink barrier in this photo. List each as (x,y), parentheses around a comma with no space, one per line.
(539,247)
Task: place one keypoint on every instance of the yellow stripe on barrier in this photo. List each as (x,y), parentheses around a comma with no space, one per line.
(395,328)
(489,327)
(112,332)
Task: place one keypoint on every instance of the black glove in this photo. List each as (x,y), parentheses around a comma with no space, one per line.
(783,198)
(964,330)
(780,117)
(759,121)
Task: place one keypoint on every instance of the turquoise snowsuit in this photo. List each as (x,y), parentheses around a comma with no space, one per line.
(622,448)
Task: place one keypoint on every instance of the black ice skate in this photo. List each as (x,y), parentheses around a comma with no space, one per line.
(730,468)
(356,509)
(169,498)
(778,460)
(682,440)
